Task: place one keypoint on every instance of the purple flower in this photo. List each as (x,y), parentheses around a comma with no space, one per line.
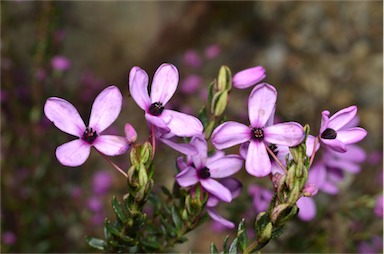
(130,133)
(60,63)
(203,169)
(191,84)
(261,197)
(94,204)
(261,105)
(307,208)
(334,133)
(212,51)
(163,87)
(349,161)
(102,181)
(248,77)
(192,59)
(105,110)
(379,206)
(374,245)
(9,238)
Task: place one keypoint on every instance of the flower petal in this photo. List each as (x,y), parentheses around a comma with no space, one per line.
(257,163)
(352,135)
(200,159)
(216,189)
(138,87)
(261,103)
(334,144)
(215,156)
(212,201)
(317,175)
(324,121)
(181,124)
(248,77)
(310,143)
(225,166)
(73,153)
(218,218)
(342,117)
(187,149)
(288,134)
(157,121)
(105,109)
(111,145)
(164,83)
(346,165)
(233,185)
(229,134)
(180,163)
(307,208)
(187,177)
(64,116)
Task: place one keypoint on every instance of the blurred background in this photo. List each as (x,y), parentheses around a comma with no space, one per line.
(319,55)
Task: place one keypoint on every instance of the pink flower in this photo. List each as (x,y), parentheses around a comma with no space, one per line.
(192,59)
(334,133)
(105,110)
(101,182)
(205,170)
(248,77)
(163,87)
(307,208)
(60,63)
(261,105)
(191,84)
(212,51)
(379,206)
(261,197)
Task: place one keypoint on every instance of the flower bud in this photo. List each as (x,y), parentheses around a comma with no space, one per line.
(224,80)
(130,133)
(248,77)
(282,213)
(219,103)
(310,189)
(263,227)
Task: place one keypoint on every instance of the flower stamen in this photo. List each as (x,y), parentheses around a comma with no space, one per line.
(89,135)
(258,134)
(156,108)
(329,134)
(204,173)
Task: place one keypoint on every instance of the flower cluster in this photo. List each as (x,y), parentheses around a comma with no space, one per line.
(284,150)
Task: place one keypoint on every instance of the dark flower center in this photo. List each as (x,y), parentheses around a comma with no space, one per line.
(273,148)
(329,134)
(258,134)
(204,173)
(156,108)
(89,135)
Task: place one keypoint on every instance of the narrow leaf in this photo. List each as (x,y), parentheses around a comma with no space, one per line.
(116,205)
(233,247)
(214,249)
(96,243)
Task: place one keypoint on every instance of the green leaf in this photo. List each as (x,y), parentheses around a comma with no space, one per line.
(96,243)
(203,116)
(242,236)
(151,245)
(116,205)
(233,247)
(277,231)
(176,218)
(214,249)
(225,243)
(166,191)
(210,91)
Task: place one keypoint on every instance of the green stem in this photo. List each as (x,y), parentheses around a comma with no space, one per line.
(251,247)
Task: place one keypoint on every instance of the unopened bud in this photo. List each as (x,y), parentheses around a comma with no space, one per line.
(224,80)
(248,77)
(310,189)
(263,227)
(283,213)
(130,133)
(219,103)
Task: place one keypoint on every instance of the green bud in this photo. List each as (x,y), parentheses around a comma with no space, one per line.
(294,195)
(282,213)
(219,103)
(208,130)
(135,160)
(263,227)
(224,80)
(291,176)
(143,177)
(146,152)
